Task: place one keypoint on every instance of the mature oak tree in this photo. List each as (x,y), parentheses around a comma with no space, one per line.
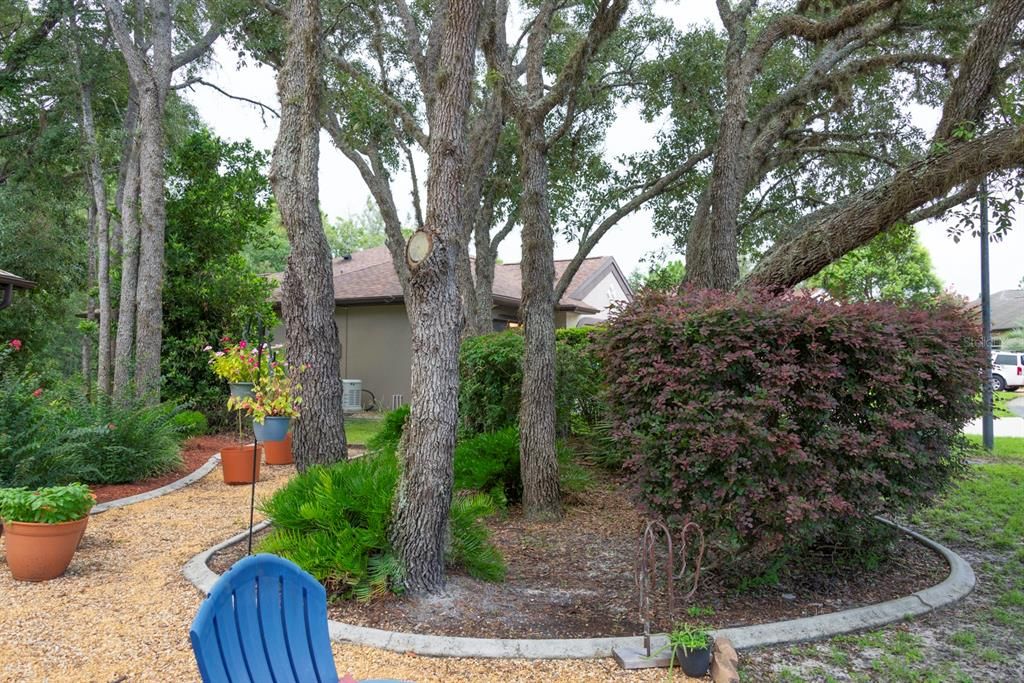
(307,301)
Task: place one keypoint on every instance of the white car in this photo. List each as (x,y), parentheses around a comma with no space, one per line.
(1007,370)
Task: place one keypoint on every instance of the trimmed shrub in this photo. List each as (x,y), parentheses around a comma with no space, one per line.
(772,421)
(491,379)
(334,521)
(190,423)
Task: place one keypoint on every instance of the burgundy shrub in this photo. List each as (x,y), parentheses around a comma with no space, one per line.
(771,420)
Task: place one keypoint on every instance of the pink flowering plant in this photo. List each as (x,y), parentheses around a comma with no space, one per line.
(236,361)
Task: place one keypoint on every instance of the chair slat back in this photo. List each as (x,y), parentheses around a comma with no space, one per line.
(264,620)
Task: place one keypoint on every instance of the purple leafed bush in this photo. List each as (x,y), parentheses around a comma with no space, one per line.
(771,421)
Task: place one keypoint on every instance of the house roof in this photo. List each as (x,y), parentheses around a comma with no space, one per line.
(368,277)
(1007,309)
(7,278)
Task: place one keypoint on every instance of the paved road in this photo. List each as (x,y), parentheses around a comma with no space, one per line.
(1016,406)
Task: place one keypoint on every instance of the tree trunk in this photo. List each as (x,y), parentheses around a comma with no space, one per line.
(307,302)
(825,236)
(423,500)
(90,305)
(537,454)
(125,342)
(712,256)
(101,239)
(149,306)
(482,321)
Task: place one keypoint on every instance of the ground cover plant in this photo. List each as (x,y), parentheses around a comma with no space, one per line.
(775,421)
(334,522)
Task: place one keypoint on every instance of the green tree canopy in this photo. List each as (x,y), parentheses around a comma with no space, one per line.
(894,266)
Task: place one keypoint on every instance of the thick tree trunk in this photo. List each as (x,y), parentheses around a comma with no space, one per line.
(149,306)
(825,236)
(308,291)
(125,342)
(537,454)
(423,499)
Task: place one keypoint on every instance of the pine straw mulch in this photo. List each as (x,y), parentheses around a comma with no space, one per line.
(575,578)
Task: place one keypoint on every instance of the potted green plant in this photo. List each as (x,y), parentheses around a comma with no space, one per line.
(43,528)
(274,403)
(691,649)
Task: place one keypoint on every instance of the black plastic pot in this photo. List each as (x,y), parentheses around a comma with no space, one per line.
(695,662)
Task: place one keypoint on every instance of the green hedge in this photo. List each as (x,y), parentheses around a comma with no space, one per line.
(491,378)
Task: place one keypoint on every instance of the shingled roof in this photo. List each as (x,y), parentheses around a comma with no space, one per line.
(367,277)
(1007,309)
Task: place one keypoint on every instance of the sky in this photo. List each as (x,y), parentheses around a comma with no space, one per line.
(342,192)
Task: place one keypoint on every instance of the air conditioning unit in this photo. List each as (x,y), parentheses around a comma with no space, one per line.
(352,395)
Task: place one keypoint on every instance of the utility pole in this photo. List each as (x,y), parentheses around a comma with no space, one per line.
(987,427)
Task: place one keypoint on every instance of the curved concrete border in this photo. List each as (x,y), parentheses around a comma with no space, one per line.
(957,585)
(189,478)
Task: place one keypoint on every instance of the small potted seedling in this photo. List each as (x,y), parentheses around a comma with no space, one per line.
(691,649)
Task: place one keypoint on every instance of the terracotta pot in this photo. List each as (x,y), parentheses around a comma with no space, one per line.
(40,552)
(236,461)
(278,452)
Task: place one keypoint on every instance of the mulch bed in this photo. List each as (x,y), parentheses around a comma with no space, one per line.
(194,454)
(575,579)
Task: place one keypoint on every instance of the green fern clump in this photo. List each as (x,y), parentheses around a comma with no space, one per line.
(334,522)
(51,434)
(390,433)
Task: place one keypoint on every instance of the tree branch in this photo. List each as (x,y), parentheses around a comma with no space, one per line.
(655,189)
(199,48)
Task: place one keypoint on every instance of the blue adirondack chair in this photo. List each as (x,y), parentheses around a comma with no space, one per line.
(264,621)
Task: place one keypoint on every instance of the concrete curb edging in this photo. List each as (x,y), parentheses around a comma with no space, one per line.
(957,585)
(188,479)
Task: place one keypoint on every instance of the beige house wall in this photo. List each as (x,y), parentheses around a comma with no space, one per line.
(376,348)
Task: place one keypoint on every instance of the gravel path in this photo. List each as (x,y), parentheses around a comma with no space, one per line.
(122,611)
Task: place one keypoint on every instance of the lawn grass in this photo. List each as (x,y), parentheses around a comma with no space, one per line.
(999,401)
(986,509)
(359,429)
(1010,447)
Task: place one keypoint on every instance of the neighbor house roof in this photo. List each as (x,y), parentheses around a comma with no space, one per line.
(1007,309)
(7,278)
(368,277)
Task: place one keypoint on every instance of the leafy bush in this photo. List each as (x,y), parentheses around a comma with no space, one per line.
(773,421)
(489,463)
(190,423)
(51,434)
(334,521)
(48,505)
(390,433)
(492,377)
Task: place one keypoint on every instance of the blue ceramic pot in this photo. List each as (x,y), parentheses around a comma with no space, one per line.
(272,429)
(241,389)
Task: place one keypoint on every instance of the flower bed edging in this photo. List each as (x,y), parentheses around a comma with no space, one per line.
(957,585)
(188,479)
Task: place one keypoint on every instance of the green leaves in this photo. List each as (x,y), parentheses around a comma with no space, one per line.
(49,505)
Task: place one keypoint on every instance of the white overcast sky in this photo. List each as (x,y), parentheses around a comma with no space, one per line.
(342,191)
